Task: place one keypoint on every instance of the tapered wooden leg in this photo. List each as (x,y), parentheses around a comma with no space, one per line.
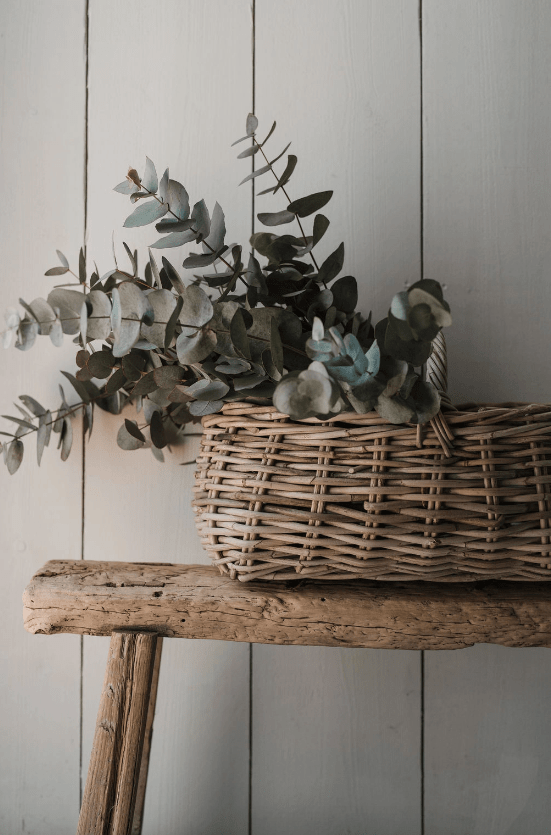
(144,767)
(112,783)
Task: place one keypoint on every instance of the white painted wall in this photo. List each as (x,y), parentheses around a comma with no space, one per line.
(438,149)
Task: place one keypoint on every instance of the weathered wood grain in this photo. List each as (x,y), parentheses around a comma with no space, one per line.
(112,782)
(141,790)
(194,601)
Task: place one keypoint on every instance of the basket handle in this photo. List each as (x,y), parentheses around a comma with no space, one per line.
(436,372)
(437,364)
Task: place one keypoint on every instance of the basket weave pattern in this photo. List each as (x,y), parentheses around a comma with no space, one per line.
(358,497)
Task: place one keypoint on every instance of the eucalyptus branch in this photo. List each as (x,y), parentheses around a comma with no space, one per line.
(284,190)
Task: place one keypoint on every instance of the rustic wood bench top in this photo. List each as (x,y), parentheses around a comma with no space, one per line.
(195,601)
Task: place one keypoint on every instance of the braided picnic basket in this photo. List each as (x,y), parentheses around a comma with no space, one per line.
(465,497)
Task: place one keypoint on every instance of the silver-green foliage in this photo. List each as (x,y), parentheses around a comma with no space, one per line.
(284,331)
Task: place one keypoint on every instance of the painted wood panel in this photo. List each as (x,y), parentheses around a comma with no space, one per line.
(336,732)
(41,170)
(173,81)
(487,178)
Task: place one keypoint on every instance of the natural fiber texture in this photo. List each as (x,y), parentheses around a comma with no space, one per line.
(358,497)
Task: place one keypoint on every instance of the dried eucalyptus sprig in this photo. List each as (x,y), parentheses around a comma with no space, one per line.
(286,331)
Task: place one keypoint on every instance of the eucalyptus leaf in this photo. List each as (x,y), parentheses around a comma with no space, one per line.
(308,205)
(32,405)
(332,265)
(82,266)
(133,429)
(69,304)
(275,218)
(149,180)
(127,441)
(43,435)
(168,376)
(173,276)
(208,390)
(157,431)
(57,271)
(66,438)
(44,315)
(14,455)
(238,335)
(99,319)
(195,348)
(254,174)
(201,220)
(345,293)
(56,333)
(249,152)
(162,303)
(217,233)
(146,213)
(321,224)
(78,386)
(197,309)
(286,176)
(175,239)
(26,334)
(252,124)
(177,199)
(209,407)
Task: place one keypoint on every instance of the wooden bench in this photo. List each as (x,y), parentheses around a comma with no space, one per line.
(140,603)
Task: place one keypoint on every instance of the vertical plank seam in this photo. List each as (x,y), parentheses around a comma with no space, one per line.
(422,275)
(83,451)
(253,93)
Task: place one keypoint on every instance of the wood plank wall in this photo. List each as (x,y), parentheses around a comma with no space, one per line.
(431,121)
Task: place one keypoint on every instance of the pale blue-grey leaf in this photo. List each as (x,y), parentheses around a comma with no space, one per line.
(62,258)
(163,303)
(249,152)
(149,180)
(209,407)
(69,304)
(197,310)
(126,187)
(178,199)
(32,405)
(56,333)
(208,390)
(44,315)
(127,441)
(26,334)
(83,324)
(201,219)
(163,186)
(43,435)
(217,233)
(195,348)
(127,336)
(252,124)
(99,320)
(254,174)
(175,239)
(146,213)
(116,312)
(14,456)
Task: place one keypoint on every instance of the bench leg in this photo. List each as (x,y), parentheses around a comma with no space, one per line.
(144,767)
(113,775)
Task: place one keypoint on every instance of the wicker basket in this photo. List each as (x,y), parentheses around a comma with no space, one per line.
(465,499)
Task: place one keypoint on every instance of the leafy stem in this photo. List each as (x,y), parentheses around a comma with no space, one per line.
(284,190)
